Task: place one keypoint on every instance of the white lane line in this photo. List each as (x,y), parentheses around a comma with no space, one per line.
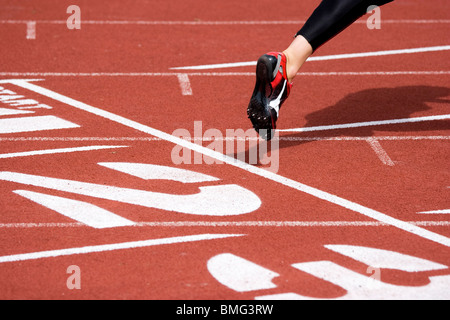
(218,224)
(446,211)
(185,84)
(368,124)
(234,138)
(323,58)
(55,151)
(112,247)
(211,74)
(380,152)
(219,23)
(240,164)
(31,30)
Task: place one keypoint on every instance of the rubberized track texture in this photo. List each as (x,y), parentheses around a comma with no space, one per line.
(129,170)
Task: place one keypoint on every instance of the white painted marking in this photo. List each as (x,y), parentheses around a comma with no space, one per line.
(112,247)
(359,286)
(240,274)
(217,66)
(152,172)
(378,258)
(5,98)
(244,224)
(368,124)
(446,211)
(11,80)
(380,152)
(287,138)
(185,84)
(219,23)
(282,297)
(322,58)
(31,30)
(23,102)
(55,151)
(423,233)
(39,123)
(12,112)
(83,212)
(217,200)
(209,74)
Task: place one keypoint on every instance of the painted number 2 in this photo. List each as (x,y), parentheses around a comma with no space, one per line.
(216,200)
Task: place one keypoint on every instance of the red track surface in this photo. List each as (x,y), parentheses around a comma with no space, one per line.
(394,170)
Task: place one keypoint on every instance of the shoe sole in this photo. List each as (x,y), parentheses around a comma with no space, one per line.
(258,110)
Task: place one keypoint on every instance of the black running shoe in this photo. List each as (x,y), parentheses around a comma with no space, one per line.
(271,90)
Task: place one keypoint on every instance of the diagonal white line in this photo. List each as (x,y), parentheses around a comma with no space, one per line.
(220,224)
(445,211)
(211,74)
(376,215)
(55,151)
(218,23)
(380,152)
(368,124)
(322,58)
(185,84)
(112,247)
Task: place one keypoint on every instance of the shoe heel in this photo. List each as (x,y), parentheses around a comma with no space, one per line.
(263,74)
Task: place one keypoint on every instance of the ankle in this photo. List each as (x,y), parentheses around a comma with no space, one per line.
(291,69)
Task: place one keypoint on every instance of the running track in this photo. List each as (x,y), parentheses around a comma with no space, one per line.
(352,205)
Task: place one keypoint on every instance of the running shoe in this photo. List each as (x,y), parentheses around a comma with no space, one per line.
(271,90)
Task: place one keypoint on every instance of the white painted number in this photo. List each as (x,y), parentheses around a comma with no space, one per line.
(246,276)
(216,200)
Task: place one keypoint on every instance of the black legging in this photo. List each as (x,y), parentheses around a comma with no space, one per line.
(333,16)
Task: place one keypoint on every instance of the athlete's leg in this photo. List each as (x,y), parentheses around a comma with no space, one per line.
(276,70)
(296,55)
(328,20)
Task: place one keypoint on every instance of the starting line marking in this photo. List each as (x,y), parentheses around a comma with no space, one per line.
(111,247)
(376,215)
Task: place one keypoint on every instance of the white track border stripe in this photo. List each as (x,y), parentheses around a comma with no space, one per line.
(219,23)
(111,247)
(426,234)
(219,224)
(368,123)
(213,74)
(281,138)
(323,58)
(55,151)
